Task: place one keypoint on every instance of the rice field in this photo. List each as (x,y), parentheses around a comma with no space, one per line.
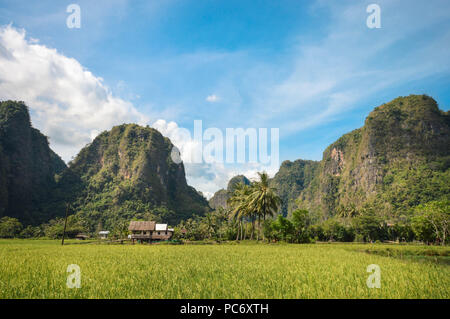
(38,269)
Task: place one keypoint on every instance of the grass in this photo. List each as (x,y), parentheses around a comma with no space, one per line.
(37,269)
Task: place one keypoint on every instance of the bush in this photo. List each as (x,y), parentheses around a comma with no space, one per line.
(10,227)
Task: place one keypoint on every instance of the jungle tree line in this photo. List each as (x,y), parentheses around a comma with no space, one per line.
(252,213)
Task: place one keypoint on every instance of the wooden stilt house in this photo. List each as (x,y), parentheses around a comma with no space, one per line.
(147,231)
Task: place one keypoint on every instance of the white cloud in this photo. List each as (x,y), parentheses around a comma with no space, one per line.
(212,98)
(68,103)
(72,106)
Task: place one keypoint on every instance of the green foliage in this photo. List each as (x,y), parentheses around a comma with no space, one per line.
(334,230)
(214,225)
(432,221)
(27,168)
(290,180)
(128,173)
(55,227)
(423,229)
(283,229)
(237,180)
(368,226)
(9,227)
(398,160)
(294,230)
(32,232)
(255,202)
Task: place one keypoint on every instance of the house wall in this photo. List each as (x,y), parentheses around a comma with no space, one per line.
(154,235)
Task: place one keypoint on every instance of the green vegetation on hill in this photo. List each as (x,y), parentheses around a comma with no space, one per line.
(123,174)
(387,180)
(27,168)
(399,159)
(128,173)
(221,196)
(291,179)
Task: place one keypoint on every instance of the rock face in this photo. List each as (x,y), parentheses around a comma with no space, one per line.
(27,168)
(291,179)
(221,196)
(236,180)
(219,199)
(397,160)
(128,171)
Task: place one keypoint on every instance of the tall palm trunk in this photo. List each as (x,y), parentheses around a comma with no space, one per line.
(264,220)
(253,227)
(238,226)
(259,227)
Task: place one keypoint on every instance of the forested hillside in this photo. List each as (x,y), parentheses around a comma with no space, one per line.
(27,168)
(399,159)
(124,173)
(127,173)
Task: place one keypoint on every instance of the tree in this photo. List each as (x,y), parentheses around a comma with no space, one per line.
(75,225)
(120,229)
(301,222)
(436,214)
(263,200)
(239,205)
(283,228)
(9,227)
(333,229)
(368,226)
(423,229)
(31,232)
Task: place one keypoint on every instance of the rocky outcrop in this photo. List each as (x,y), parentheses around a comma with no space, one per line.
(403,144)
(290,180)
(221,197)
(27,168)
(128,171)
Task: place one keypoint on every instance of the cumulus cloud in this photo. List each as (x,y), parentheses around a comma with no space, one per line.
(68,103)
(72,106)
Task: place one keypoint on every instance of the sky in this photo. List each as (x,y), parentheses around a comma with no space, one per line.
(312,69)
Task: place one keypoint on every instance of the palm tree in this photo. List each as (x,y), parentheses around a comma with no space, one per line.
(239,205)
(263,200)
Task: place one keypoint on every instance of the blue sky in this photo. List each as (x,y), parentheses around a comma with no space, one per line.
(313,69)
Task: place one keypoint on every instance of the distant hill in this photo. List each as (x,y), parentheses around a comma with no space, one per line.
(291,179)
(399,159)
(221,196)
(27,168)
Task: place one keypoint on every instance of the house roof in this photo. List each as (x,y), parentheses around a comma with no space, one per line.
(161,227)
(138,225)
(104,232)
